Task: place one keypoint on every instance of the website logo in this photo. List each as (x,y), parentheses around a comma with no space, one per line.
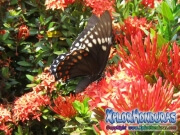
(140,121)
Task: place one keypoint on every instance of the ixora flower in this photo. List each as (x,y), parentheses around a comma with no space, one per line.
(2,32)
(58,4)
(130,28)
(134,25)
(99,6)
(64,105)
(47,81)
(144,96)
(124,92)
(28,106)
(171,67)
(5,117)
(148,3)
(102,92)
(144,57)
(23,32)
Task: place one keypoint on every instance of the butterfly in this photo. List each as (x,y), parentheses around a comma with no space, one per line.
(88,54)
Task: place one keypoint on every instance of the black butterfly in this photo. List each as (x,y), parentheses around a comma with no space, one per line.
(88,54)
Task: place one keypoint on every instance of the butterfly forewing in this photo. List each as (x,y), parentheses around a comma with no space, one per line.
(88,54)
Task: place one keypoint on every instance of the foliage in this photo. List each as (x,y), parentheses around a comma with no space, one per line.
(34,32)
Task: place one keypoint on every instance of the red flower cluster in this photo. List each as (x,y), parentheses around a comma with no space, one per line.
(28,106)
(128,88)
(58,4)
(131,26)
(64,105)
(99,6)
(102,92)
(143,58)
(6,62)
(5,117)
(148,3)
(171,68)
(124,92)
(23,32)
(134,25)
(2,32)
(143,96)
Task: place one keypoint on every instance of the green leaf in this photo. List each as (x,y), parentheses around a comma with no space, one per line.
(45,117)
(51,24)
(54,129)
(53,28)
(9,43)
(24,63)
(45,111)
(41,19)
(48,19)
(6,35)
(14,13)
(32,25)
(5,72)
(69,41)
(86,105)
(12,81)
(20,131)
(31,3)
(6,25)
(82,108)
(32,11)
(80,120)
(30,77)
(31,85)
(161,41)
(33,31)
(77,105)
(58,52)
(13,2)
(166,11)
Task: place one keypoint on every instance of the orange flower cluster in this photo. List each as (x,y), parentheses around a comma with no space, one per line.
(47,81)
(148,3)
(2,32)
(99,6)
(28,106)
(5,117)
(5,63)
(64,105)
(23,32)
(58,4)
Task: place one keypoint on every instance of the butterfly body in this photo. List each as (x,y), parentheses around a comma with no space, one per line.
(88,54)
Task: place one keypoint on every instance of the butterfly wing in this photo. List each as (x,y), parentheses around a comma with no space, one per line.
(88,54)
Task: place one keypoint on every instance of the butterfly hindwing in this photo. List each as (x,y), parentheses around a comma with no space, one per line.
(88,54)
